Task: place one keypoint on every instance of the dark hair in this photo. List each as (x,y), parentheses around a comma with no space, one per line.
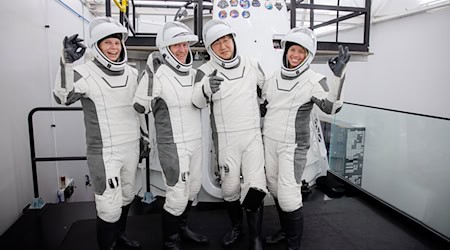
(115,35)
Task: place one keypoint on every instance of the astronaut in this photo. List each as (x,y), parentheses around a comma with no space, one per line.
(105,86)
(165,89)
(289,98)
(228,83)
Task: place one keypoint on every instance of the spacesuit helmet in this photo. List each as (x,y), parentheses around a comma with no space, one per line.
(300,36)
(104,27)
(212,31)
(171,33)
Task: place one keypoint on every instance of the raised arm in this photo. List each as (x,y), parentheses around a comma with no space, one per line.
(148,87)
(69,86)
(331,100)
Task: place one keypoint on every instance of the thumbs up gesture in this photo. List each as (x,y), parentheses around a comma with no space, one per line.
(215,81)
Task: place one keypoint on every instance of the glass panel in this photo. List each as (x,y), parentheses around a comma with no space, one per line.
(403,159)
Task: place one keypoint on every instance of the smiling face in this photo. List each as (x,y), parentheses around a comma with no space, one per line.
(224,47)
(180,51)
(111,48)
(296,54)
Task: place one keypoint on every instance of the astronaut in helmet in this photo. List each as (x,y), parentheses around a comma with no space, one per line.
(105,86)
(229,82)
(289,98)
(165,89)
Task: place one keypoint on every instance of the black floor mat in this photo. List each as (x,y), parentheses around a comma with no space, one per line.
(344,223)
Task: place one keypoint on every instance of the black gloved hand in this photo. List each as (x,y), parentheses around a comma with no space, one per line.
(215,81)
(144,149)
(337,64)
(73,48)
(263,108)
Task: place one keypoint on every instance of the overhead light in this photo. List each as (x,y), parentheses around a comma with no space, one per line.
(159,3)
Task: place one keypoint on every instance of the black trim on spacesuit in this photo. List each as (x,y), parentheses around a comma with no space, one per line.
(189,85)
(215,137)
(341,85)
(142,74)
(150,81)
(284,77)
(56,98)
(139,108)
(175,70)
(157,60)
(115,87)
(287,90)
(73,97)
(96,167)
(163,125)
(93,134)
(108,71)
(76,76)
(167,149)
(170,164)
(302,138)
(199,76)
(325,105)
(144,133)
(259,91)
(63,73)
(232,79)
(324,84)
(94,144)
(300,161)
(260,69)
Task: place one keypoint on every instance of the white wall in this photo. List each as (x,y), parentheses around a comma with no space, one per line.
(30,55)
(406,156)
(408,70)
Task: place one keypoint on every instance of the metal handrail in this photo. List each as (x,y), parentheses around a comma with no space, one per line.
(35,159)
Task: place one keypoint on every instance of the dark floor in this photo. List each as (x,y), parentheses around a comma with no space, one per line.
(349,222)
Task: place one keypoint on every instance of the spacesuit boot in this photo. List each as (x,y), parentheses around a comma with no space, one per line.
(254,220)
(280,235)
(170,227)
(106,234)
(294,228)
(235,213)
(186,233)
(122,239)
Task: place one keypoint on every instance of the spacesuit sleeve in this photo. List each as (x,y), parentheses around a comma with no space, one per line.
(143,96)
(70,85)
(148,87)
(201,94)
(260,76)
(265,87)
(329,99)
(263,98)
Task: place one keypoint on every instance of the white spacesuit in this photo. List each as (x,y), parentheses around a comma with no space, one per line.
(230,87)
(289,98)
(165,89)
(106,89)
